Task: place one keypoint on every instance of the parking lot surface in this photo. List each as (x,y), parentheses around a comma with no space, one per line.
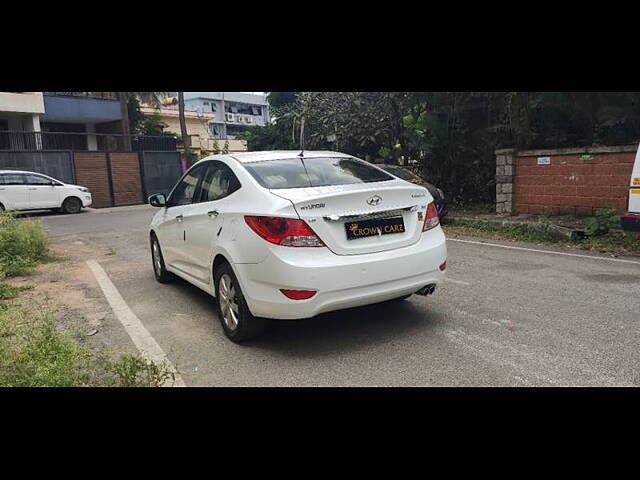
(504,317)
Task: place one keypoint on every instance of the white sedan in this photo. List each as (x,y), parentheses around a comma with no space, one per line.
(20,190)
(287,235)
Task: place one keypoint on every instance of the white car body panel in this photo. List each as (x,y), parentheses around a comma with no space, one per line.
(35,197)
(634,188)
(345,273)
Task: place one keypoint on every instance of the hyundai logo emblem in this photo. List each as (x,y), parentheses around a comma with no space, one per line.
(375,200)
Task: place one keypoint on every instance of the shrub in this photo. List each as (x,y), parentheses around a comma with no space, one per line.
(605,218)
(136,371)
(23,243)
(33,353)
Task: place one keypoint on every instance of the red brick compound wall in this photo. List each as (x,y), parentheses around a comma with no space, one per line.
(564,181)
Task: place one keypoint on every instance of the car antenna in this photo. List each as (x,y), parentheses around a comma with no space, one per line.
(301,137)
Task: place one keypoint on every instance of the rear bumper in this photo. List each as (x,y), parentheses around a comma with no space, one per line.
(342,281)
(630,221)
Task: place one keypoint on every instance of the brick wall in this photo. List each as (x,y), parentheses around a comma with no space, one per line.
(576,181)
(91,172)
(125,171)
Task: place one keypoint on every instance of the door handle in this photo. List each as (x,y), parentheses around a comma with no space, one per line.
(179,218)
(32,188)
(213,213)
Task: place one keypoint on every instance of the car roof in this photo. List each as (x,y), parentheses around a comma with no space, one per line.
(247,157)
(22,171)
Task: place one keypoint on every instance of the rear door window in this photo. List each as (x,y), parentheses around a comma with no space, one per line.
(12,179)
(314,172)
(218,182)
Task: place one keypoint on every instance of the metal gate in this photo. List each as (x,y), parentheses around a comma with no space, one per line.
(56,164)
(160,172)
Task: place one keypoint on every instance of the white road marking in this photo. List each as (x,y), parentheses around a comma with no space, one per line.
(141,337)
(459,282)
(543,251)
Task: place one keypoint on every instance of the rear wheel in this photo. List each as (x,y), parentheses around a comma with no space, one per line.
(71,205)
(236,319)
(159,269)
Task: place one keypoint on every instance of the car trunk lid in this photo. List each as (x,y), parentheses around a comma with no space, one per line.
(363,208)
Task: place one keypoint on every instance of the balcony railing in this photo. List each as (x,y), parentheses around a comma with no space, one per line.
(101,95)
(83,141)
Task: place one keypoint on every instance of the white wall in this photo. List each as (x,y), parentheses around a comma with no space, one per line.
(26,102)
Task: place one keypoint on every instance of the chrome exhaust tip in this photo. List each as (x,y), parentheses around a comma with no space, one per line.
(427,290)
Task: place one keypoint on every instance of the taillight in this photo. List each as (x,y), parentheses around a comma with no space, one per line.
(289,232)
(431,219)
(298,294)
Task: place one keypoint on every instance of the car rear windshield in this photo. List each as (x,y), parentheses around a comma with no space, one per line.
(313,172)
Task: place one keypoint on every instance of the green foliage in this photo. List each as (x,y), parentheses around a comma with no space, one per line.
(23,244)
(452,135)
(225,147)
(191,157)
(603,221)
(136,371)
(34,354)
(8,291)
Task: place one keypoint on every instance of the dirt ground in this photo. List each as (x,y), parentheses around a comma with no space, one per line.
(67,287)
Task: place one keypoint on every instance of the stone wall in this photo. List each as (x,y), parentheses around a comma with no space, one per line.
(505,174)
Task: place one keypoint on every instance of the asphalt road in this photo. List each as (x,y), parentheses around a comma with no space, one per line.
(504,317)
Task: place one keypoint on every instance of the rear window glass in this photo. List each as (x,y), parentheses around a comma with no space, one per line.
(402,173)
(314,172)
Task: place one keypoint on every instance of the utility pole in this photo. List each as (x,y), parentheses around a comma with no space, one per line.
(186,140)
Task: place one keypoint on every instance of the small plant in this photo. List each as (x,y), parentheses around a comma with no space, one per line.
(136,371)
(23,244)
(600,225)
(190,156)
(33,353)
(8,292)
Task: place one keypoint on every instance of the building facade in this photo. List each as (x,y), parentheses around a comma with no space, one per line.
(232,112)
(49,120)
(198,129)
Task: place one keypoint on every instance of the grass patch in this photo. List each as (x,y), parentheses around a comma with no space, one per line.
(34,353)
(8,291)
(135,371)
(614,242)
(23,244)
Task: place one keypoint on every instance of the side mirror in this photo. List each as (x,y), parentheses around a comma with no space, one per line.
(158,200)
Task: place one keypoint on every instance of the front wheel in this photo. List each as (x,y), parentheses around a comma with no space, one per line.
(71,205)
(236,319)
(159,270)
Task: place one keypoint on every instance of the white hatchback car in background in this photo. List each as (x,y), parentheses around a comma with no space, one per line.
(20,190)
(287,235)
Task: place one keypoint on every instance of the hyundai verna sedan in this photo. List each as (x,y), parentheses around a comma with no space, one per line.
(290,235)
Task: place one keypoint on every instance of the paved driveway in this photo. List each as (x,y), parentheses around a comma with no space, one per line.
(504,317)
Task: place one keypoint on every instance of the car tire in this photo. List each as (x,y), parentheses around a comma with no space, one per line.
(1,208)
(72,205)
(234,315)
(157,260)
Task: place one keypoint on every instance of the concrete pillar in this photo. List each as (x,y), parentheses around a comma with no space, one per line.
(505,176)
(92,140)
(32,124)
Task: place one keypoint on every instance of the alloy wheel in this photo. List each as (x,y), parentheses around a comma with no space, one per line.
(228,302)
